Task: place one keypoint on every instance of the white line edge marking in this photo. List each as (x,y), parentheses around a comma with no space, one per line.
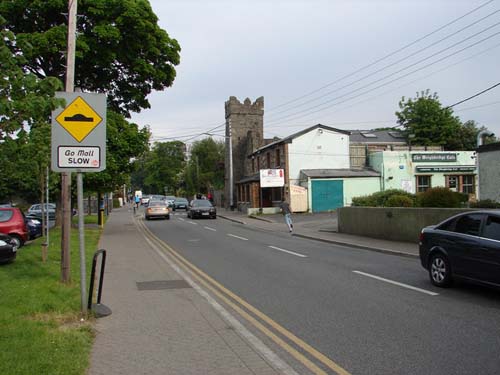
(288,251)
(212,229)
(262,348)
(235,236)
(397,283)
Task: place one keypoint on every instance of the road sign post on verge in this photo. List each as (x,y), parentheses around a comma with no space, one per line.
(79,145)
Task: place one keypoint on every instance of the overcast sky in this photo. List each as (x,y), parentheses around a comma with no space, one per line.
(321,57)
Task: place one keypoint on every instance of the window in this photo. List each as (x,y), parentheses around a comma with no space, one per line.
(423,183)
(468,184)
(278,158)
(268,157)
(492,228)
(5,215)
(452,182)
(469,224)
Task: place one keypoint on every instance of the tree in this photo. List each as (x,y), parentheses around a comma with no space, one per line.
(120,49)
(206,167)
(429,123)
(164,167)
(125,141)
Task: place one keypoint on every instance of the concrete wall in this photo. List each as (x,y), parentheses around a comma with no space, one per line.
(396,224)
(315,150)
(489,174)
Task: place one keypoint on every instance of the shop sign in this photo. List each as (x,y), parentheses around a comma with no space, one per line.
(434,158)
(272,178)
(443,169)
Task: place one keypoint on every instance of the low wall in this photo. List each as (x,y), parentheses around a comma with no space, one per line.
(392,223)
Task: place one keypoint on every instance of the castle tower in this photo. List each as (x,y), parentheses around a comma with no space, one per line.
(245,128)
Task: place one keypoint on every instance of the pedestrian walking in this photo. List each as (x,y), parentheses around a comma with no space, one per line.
(287,213)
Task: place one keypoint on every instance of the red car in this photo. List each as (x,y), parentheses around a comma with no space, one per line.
(12,222)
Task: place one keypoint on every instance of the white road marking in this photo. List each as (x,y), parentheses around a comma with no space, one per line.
(288,251)
(192,222)
(181,219)
(241,238)
(212,229)
(397,283)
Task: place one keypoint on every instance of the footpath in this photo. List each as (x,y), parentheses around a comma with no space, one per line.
(161,323)
(321,227)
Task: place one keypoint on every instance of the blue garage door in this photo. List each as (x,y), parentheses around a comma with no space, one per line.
(327,195)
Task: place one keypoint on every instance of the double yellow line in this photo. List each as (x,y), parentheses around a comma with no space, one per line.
(238,305)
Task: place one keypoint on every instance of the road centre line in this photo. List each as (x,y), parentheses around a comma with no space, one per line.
(235,236)
(212,229)
(288,251)
(397,283)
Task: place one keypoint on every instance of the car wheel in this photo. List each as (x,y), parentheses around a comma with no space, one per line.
(17,240)
(167,217)
(146,217)
(440,270)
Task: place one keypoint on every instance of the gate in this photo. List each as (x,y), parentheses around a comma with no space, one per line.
(327,195)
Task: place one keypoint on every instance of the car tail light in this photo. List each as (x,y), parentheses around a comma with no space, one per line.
(421,236)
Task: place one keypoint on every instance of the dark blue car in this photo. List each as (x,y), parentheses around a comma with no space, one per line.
(465,246)
(34,225)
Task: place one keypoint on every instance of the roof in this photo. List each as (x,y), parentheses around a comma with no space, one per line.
(377,136)
(489,147)
(252,178)
(329,173)
(298,134)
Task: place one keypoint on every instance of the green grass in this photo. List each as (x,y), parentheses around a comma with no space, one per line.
(40,327)
(87,219)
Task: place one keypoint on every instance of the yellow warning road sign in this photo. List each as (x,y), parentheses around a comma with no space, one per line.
(79,119)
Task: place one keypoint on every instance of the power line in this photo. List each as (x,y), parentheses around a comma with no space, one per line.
(383,58)
(401,59)
(473,96)
(478,106)
(308,110)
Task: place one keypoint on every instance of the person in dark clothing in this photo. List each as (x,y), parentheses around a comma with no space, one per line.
(287,213)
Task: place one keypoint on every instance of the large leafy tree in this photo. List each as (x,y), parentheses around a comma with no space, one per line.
(120,49)
(124,141)
(205,169)
(427,121)
(164,166)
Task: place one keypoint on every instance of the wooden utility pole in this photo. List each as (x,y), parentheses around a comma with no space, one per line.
(66,176)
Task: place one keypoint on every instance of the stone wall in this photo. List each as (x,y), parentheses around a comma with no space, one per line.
(391,223)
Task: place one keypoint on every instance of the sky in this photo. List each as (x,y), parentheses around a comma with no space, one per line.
(344,64)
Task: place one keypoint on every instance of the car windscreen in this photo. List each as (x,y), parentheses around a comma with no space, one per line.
(181,200)
(5,215)
(156,203)
(202,203)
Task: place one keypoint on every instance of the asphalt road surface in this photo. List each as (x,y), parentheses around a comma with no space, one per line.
(370,313)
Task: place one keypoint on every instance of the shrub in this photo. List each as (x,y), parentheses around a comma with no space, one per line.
(116,203)
(485,203)
(439,197)
(399,200)
(380,198)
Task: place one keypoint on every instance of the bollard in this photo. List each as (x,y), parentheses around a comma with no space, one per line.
(44,252)
(99,309)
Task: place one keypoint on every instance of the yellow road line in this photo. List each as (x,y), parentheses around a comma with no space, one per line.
(306,347)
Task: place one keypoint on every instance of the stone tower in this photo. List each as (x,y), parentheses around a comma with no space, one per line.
(245,126)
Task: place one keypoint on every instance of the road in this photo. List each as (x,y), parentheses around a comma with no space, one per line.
(367,312)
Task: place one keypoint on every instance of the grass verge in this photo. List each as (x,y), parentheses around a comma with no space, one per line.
(41,331)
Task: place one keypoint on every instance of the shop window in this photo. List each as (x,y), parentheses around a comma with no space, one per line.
(423,183)
(468,184)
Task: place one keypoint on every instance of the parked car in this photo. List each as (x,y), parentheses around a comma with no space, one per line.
(34,226)
(170,200)
(465,246)
(13,223)
(8,248)
(201,208)
(180,203)
(36,210)
(157,209)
